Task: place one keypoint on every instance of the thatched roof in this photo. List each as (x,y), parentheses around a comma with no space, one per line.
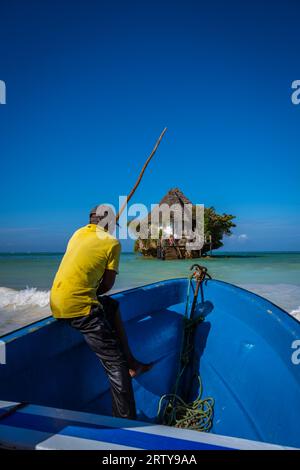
(175,196)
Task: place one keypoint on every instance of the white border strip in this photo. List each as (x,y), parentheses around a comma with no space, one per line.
(2,352)
(8,404)
(207,438)
(63,442)
(158,430)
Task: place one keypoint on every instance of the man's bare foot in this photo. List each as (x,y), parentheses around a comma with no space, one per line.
(137,368)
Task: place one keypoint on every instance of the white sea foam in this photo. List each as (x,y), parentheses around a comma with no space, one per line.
(296,313)
(22,307)
(14,299)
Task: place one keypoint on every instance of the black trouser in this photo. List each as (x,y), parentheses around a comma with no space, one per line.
(99,333)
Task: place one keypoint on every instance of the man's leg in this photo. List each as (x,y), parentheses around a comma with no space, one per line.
(111,306)
(102,339)
(135,367)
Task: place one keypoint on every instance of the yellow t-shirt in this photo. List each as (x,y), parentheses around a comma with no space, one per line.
(90,251)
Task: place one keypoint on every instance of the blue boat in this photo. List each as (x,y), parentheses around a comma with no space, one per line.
(55,395)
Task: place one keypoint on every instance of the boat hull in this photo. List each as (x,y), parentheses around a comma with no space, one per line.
(243,352)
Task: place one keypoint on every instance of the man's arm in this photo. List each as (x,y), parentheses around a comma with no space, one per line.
(107,281)
(111,270)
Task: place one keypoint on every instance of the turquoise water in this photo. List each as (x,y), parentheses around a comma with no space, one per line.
(18,271)
(25,279)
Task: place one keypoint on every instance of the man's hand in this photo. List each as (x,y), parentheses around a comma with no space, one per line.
(107,281)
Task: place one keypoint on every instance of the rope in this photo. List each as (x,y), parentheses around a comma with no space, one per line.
(172,409)
(197,415)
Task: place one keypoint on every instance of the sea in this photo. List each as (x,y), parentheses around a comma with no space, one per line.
(26,279)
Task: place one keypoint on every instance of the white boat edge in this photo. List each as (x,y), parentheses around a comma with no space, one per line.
(15,437)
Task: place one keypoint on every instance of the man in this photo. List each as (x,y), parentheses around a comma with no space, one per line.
(87,271)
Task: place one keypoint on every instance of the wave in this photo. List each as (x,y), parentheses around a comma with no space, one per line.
(16,299)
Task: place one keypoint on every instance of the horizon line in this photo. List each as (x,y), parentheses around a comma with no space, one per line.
(215,252)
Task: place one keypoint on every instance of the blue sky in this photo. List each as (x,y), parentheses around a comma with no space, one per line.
(90,85)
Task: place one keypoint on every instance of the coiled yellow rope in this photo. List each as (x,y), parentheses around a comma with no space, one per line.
(197,415)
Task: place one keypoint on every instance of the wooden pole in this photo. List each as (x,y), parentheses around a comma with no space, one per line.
(141,174)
